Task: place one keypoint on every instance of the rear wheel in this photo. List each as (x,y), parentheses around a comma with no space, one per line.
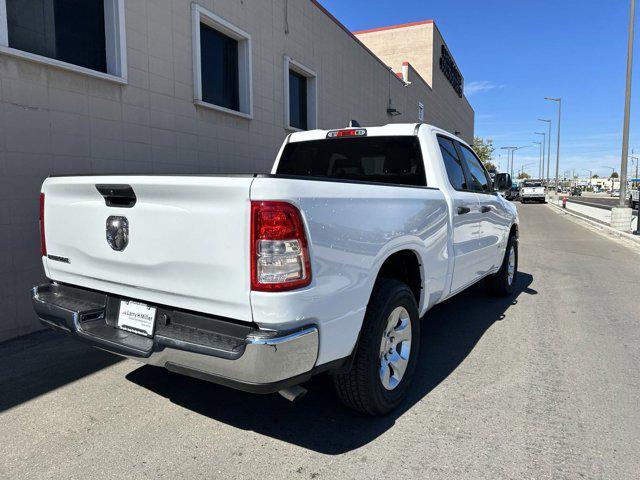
(502,283)
(387,352)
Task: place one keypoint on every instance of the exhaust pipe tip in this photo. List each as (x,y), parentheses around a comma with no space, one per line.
(293,393)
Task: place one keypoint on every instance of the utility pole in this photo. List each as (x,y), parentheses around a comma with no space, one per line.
(548,146)
(539,155)
(559,101)
(544,141)
(627,110)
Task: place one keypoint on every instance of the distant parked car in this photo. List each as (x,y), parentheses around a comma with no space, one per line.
(576,192)
(614,193)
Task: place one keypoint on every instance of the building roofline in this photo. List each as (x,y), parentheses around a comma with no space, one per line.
(356,39)
(392,27)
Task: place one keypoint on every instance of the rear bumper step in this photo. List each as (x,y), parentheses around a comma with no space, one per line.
(221,351)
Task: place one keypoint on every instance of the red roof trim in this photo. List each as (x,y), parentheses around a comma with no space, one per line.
(391,27)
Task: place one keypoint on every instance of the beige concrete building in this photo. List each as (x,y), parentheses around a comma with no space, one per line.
(419,51)
(175,86)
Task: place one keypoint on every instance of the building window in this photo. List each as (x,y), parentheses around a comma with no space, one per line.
(221,63)
(81,35)
(300,96)
(420,112)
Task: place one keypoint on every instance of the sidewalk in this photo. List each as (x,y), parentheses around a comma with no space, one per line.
(598,219)
(600,215)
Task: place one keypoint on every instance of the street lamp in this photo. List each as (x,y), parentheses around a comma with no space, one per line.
(559,100)
(635,161)
(590,175)
(544,142)
(540,147)
(522,168)
(509,166)
(627,112)
(548,146)
(613,182)
(513,152)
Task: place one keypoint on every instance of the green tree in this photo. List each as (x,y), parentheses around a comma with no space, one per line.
(615,175)
(595,175)
(484,149)
(523,176)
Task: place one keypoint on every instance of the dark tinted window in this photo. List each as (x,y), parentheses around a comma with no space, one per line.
(219,67)
(297,100)
(452,163)
(68,30)
(479,177)
(396,160)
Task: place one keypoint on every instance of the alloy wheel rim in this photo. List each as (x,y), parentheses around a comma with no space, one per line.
(511,268)
(395,348)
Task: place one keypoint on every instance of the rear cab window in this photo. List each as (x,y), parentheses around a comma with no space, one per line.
(380,159)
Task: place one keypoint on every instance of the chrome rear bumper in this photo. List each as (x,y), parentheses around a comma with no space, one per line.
(217,350)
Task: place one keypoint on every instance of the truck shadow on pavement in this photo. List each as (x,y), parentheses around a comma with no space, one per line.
(318,421)
(44,361)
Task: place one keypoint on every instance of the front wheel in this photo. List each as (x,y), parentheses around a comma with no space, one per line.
(502,283)
(386,354)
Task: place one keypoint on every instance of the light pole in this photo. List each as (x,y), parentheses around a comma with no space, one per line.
(510,151)
(544,142)
(522,167)
(559,100)
(513,154)
(590,175)
(613,182)
(539,155)
(548,146)
(635,180)
(627,111)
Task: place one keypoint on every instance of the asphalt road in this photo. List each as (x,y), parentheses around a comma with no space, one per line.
(543,385)
(606,203)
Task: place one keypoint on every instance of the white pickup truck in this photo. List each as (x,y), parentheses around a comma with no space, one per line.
(259,282)
(532,191)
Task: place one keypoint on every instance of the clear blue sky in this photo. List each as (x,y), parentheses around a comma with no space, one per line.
(514,53)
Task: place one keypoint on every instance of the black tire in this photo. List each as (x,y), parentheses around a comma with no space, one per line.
(361,388)
(498,285)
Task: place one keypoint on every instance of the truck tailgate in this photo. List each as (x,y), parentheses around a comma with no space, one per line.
(188,241)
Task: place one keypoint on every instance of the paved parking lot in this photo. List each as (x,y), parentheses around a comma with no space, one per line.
(542,385)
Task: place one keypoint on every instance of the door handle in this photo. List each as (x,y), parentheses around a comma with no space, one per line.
(463,210)
(486,209)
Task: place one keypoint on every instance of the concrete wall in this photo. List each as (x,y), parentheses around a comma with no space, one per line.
(420,44)
(53,121)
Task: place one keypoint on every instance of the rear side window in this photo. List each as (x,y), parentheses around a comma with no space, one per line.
(479,177)
(452,163)
(395,160)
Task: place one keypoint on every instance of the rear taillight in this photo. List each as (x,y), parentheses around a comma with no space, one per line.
(43,242)
(279,250)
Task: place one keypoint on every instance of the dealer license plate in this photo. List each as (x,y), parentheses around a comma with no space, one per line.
(136,317)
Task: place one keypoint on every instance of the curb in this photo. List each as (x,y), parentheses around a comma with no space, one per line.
(598,224)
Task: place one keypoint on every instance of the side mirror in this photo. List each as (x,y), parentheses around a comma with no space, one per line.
(502,182)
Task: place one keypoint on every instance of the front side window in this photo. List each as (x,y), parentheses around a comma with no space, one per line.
(452,163)
(219,66)
(84,33)
(392,160)
(480,180)
(297,100)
